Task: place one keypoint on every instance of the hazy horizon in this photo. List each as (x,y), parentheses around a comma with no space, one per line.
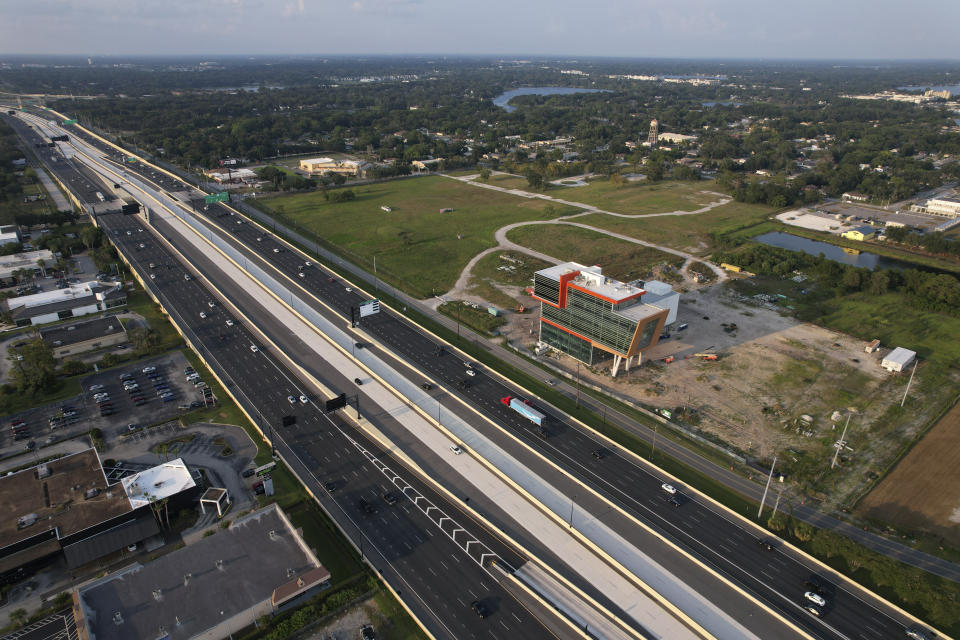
(883,30)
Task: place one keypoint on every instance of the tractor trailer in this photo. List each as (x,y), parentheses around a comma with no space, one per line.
(524,408)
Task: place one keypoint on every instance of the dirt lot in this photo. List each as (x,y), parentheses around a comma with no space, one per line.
(771,371)
(347,625)
(923,491)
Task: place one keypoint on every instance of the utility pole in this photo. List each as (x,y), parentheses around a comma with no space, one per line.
(653,445)
(909,382)
(578,384)
(841,442)
(767,488)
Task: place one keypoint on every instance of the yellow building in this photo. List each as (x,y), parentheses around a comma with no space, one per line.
(859,233)
(319,166)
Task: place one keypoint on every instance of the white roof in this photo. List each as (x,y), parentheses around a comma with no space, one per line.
(901,356)
(157,483)
(592,279)
(80,290)
(657,288)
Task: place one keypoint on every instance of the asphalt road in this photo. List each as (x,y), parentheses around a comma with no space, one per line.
(773,576)
(431,556)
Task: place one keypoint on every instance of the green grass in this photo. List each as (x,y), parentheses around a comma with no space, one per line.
(620,259)
(640,197)
(689,233)
(478,319)
(402,626)
(331,548)
(523,268)
(508,182)
(417,247)
(139,302)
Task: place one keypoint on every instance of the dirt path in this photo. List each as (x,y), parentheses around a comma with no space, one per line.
(460,288)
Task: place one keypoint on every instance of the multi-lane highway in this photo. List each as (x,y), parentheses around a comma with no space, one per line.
(776,577)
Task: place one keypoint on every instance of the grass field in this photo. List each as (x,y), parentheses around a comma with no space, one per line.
(509,182)
(620,259)
(419,248)
(16,206)
(688,233)
(640,197)
(923,490)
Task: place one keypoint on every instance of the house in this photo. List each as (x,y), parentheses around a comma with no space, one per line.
(855,196)
(859,233)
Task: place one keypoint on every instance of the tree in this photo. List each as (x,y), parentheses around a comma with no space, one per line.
(34,369)
(18,617)
(91,236)
(534,179)
(484,175)
(144,339)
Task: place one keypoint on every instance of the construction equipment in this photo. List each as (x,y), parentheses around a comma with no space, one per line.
(706,356)
(668,359)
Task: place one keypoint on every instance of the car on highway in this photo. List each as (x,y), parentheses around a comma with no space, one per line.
(304,399)
(676,500)
(390,498)
(358,380)
(813,609)
(211,304)
(457,450)
(302,274)
(291,400)
(916,632)
(330,486)
(132,426)
(203,314)
(480,609)
(471,372)
(815,598)
(600,453)
(254,348)
(669,488)
(153,276)
(766,544)
(349,289)
(276,249)
(229,322)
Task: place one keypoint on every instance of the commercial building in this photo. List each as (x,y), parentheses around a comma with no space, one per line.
(859,233)
(209,589)
(589,316)
(675,137)
(9,234)
(15,262)
(60,304)
(319,166)
(943,206)
(80,337)
(855,196)
(232,176)
(67,507)
(898,359)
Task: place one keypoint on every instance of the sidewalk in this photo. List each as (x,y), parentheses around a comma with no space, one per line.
(748,488)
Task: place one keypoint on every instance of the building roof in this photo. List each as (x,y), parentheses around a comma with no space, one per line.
(76,332)
(592,280)
(183,592)
(79,291)
(901,356)
(44,303)
(24,260)
(157,483)
(946,199)
(862,229)
(67,495)
(138,527)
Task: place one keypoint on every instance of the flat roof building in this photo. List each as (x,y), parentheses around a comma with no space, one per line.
(208,589)
(9,234)
(23,260)
(588,315)
(898,359)
(80,337)
(944,206)
(157,483)
(60,304)
(319,166)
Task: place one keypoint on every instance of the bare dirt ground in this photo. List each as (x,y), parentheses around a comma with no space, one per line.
(923,491)
(347,625)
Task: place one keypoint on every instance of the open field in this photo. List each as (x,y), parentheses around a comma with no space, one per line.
(423,249)
(686,233)
(641,197)
(620,259)
(922,493)
(508,181)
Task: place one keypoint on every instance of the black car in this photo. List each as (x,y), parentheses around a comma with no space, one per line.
(358,380)
(600,453)
(247,473)
(390,498)
(366,507)
(330,487)
(675,500)
(426,386)
(479,608)
(766,544)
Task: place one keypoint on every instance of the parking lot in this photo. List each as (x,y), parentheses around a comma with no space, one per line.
(140,394)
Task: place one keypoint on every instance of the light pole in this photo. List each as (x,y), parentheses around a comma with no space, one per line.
(767,488)
(570,521)
(840,443)
(578,384)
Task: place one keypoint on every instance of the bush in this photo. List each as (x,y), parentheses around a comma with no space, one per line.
(73,368)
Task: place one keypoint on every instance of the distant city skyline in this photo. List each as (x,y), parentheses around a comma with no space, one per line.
(815,29)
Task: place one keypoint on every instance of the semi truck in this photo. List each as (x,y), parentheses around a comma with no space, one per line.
(524,408)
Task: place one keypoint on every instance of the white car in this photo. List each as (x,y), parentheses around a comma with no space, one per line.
(276,249)
(815,598)
(203,314)
(303,399)
(302,274)
(95,388)
(471,372)
(254,348)
(291,400)
(308,264)
(229,322)
(153,276)
(211,304)
(669,488)
(149,370)
(349,289)
(456,449)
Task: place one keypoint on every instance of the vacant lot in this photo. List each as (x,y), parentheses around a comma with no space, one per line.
(640,197)
(923,491)
(416,244)
(688,233)
(620,259)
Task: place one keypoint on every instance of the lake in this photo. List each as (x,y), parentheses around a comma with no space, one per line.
(831,251)
(506,96)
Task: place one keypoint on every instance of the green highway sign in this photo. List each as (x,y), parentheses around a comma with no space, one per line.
(71,121)
(217,197)
(131,159)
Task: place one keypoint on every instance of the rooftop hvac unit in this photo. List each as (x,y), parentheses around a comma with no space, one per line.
(43,471)
(25,521)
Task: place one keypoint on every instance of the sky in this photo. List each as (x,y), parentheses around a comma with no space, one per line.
(796,29)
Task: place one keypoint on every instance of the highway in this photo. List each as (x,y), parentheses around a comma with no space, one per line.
(437,574)
(776,577)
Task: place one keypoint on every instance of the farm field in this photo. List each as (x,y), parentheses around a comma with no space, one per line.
(923,490)
(417,246)
(620,259)
(687,233)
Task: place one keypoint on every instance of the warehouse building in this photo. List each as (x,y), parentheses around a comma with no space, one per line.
(15,262)
(590,317)
(260,558)
(898,359)
(60,304)
(80,337)
(319,166)
(948,207)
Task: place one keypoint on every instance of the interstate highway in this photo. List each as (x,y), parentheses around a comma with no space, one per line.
(777,577)
(434,575)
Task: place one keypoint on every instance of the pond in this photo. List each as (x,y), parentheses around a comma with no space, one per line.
(506,96)
(831,251)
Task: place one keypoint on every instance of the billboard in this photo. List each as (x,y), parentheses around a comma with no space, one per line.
(369,308)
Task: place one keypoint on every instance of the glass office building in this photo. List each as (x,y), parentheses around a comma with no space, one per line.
(591,317)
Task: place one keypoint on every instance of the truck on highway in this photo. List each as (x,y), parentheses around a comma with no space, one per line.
(524,408)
